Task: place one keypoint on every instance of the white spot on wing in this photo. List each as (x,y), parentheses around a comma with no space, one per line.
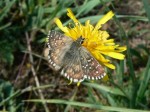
(65,74)
(85,76)
(68,77)
(49,57)
(81,80)
(92,78)
(54,64)
(75,80)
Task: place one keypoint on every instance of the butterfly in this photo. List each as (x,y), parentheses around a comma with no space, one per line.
(73,60)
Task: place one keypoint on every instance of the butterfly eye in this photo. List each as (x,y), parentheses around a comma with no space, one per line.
(82,40)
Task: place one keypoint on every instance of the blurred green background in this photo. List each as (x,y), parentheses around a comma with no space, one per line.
(26,80)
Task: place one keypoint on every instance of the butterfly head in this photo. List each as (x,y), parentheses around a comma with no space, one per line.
(80,41)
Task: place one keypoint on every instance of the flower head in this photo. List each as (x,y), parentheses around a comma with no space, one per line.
(96,41)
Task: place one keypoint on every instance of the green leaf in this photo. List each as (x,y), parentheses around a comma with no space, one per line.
(107,89)
(147,8)
(88,105)
(6,9)
(144,83)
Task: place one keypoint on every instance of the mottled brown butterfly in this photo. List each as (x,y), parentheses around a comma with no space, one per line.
(74,60)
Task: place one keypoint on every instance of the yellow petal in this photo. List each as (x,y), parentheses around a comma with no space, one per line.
(100,57)
(121,49)
(104,19)
(103,34)
(71,15)
(109,42)
(105,48)
(114,55)
(87,22)
(109,65)
(73,33)
(59,24)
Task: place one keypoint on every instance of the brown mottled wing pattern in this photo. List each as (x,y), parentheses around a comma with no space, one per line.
(58,45)
(73,72)
(75,60)
(91,67)
(72,68)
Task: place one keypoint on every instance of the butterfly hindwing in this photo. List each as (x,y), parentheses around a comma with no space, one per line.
(73,72)
(72,68)
(93,70)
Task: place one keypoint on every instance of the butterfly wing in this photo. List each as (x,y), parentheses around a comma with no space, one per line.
(91,67)
(58,45)
(72,68)
(73,72)
(80,65)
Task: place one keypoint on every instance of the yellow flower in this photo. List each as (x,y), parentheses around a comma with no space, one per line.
(96,40)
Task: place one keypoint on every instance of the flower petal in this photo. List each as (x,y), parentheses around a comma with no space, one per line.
(59,24)
(114,55)
(100,57)
(109,65)
(72,16)
(121,49)
(104,19)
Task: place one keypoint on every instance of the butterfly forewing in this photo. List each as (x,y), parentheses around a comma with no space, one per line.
(58,45)
(57,40)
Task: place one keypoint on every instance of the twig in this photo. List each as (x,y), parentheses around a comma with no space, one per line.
(40,59)
(34,73)
(20,67)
